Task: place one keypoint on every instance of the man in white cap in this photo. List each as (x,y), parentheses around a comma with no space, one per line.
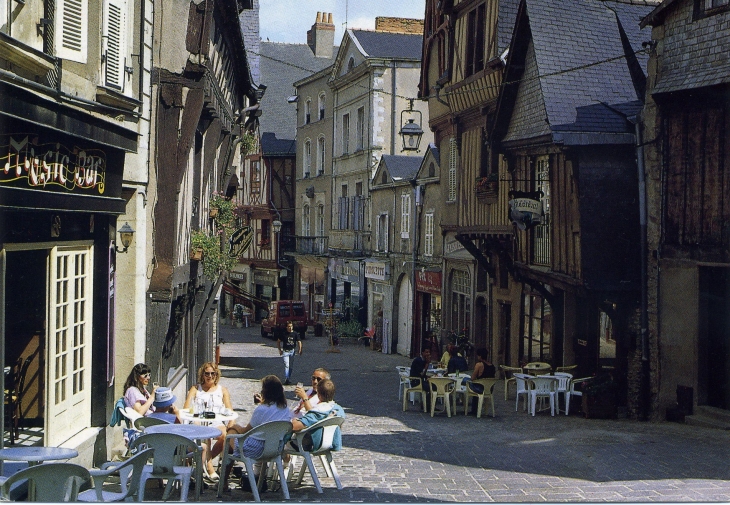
(164,404)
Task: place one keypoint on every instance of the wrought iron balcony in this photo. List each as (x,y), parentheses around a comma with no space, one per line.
(312,245)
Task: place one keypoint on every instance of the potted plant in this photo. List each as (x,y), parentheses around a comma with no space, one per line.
(487,187)
(599,397)
(207,247)
(221,209)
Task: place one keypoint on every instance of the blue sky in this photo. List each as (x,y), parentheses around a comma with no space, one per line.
(289,20)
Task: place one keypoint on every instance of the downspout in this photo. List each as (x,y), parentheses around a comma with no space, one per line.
(644,389)
(415,230)
(392,108)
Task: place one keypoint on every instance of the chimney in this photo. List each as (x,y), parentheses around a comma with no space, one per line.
(399,25)
(321,38)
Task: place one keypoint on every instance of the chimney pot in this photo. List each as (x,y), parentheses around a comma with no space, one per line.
(319,17)
(329,18)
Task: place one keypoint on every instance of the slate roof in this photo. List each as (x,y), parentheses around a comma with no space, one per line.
(580,58)
(402,167)
(389,45)
(282,65)
(506,23)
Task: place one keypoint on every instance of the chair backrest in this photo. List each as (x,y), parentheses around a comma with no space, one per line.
(274,434)
(566,368)
(142,422)
(563,380)
(488,385)
(441,385)
(545,385)
(329,426)
(522,381)
(509,371)
(170,450)
(22,373)
(52,482)
(131,470)
(573,382)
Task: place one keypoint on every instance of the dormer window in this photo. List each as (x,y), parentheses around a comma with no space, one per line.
(351,64)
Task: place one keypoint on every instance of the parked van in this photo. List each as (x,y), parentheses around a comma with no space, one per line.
(280,313)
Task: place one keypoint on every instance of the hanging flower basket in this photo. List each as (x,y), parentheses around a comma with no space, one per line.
(213,213)
(196,255)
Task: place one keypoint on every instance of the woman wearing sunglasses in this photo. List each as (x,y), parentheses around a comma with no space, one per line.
(135,390)
(213,395)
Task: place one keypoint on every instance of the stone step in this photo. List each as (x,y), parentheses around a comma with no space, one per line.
(710,417)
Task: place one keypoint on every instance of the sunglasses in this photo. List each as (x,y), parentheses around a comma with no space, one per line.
(314,378)
(210,374)
(145,375)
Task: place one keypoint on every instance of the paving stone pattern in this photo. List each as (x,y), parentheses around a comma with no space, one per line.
(395,456)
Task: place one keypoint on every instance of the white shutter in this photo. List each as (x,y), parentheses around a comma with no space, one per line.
(405,222)
(68,349)
(428,243)
(452,169)
(72,26)
(114,43)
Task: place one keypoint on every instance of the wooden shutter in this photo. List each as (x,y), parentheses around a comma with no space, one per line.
(114,43)
(452,169)
(72,25)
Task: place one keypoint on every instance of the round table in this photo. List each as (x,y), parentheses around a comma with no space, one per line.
(186,416)
(191,431)
(36,454)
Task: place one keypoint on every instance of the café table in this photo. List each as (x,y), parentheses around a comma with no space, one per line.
(191,431)
(220,417)
(36,454)
(537,368)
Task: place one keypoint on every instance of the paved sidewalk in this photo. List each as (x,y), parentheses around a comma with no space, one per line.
(395,456)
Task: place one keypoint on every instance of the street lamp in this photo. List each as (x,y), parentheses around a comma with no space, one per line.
(411,131)
(126,233)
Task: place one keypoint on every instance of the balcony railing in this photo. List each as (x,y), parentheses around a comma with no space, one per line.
(312,245)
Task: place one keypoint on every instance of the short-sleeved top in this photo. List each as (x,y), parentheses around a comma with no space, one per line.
(212,397)
(290,341)
(133,395)
(266,413)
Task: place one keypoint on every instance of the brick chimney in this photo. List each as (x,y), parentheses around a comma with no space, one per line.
(399,25)
(321,38)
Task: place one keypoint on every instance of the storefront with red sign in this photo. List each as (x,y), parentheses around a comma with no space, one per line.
(428,310)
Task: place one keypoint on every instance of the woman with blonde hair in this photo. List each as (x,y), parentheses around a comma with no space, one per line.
(211,394)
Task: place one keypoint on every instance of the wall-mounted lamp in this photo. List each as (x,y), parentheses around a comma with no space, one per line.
(276,226)
(126,234)
(411,131)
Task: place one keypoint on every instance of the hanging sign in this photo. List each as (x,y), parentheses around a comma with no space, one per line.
(525,212)
(240,241)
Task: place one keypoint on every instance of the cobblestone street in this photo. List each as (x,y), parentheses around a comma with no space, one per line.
(395,456)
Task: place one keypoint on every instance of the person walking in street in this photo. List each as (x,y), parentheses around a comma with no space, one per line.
(308,399)
(287,348)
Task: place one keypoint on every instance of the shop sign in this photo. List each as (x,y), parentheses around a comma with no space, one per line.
(24,160)
(428,282)
(348,271)
(238,276)
(452,246)
(264,278)
(377,270)
(525,212)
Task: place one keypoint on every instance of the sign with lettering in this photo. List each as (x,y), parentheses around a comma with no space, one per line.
(240,241)
(377,270)
(26,161)
(348,271)
(525,212)
(265,278)
(428,282)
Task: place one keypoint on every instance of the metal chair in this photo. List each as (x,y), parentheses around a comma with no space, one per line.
(508,376)
(14,396)
(130,475)
(329,425)
(171,453)
(414,388)
(275,434)
(49,482)
(488,392)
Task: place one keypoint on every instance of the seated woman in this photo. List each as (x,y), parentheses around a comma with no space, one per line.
(482,370)
(208,392)
(142,401)
(272,406)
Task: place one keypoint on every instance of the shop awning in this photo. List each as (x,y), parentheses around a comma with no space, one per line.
(235,291)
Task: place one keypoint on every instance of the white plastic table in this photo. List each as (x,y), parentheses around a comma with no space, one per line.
(190,431)
(188,417)
(36,454)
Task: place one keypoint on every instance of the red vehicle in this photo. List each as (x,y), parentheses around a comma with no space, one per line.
(280,313)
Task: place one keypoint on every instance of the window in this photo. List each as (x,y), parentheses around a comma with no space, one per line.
(710,7)
(382,233)
(405,217)
(343,209)
(350,64)
(255,177)
(541,232)
(307,111)
(320,156)
(345,133)
(428,228)
(307,158)
(320,220)
(305,221)
(453,160)
(460,300)
(360,128)
(72,25)
(321,105)
(384,178)
(475,40)
(69,342)
(114,40)
(432,169)
(265,238)
(536,328)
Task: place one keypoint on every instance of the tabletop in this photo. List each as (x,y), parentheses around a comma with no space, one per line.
(191,431)
(537,368)
(219,418)
(36,453)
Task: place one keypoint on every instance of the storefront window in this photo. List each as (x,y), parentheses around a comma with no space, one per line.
(461,300)
(537,329)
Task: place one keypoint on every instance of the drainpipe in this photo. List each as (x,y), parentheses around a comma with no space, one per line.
(644,389)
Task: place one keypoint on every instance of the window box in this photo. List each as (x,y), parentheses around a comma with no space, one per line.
(487,188)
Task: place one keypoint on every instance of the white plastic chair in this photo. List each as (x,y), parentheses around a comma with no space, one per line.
(563,388)
(275,434)
(508,376)
(417,389)
(169,462)
(403,373)
(522,389)
(573,392)
(488,392)
(444,388)
(49,482)
(543,387)
(329,425)
(130,475)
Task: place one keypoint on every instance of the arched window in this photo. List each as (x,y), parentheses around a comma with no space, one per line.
(320,220)
(307,158)
(384,178)
(320,156)
(305,221)
(351,64)
(321,105)
(308,111)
